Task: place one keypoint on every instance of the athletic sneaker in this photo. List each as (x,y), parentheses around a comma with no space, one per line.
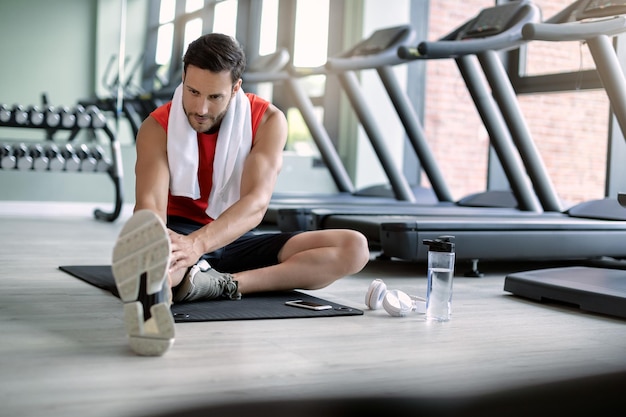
(141,259)
(204,283)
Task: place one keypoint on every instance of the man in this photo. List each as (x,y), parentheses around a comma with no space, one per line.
(211,189)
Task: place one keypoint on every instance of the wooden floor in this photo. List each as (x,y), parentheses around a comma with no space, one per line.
(63,350)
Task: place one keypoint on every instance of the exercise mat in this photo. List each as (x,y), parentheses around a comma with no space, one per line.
(250,307)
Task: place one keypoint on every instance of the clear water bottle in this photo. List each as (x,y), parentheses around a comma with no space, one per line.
(440,274)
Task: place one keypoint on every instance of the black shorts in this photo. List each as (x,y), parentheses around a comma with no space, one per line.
(250,251)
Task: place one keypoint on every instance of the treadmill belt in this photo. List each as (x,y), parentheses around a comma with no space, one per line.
(597,290)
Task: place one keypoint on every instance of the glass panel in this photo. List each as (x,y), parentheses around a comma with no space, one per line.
(570,129)
(299,138)
(193,5)
(226,18)
(310,50)
(311,37)
(269,27)
(168,11)
(571,133)
(193,30)
(165,39)
(556,57)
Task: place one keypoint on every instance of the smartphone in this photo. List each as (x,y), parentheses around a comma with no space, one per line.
(308,305)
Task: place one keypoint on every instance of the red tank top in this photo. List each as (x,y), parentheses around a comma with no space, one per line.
(196,209)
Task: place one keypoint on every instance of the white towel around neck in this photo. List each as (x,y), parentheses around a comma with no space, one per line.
(234,141)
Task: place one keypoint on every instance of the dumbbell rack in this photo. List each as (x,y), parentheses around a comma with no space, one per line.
(54,156)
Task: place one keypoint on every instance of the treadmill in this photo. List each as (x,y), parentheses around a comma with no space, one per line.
(601,288)
(379,52)
(550,235)
(274,68)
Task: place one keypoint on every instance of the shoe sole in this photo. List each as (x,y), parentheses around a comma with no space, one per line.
(140,262)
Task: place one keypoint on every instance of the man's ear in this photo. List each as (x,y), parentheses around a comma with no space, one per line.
(237,86)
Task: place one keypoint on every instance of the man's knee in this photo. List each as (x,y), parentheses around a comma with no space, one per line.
(350,246)
(357,249)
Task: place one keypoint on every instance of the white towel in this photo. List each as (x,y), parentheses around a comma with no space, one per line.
(234,141)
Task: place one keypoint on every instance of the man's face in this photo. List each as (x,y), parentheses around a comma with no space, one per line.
(206,97)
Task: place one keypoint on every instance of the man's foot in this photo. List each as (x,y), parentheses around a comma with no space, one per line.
(141,258)
(204,283)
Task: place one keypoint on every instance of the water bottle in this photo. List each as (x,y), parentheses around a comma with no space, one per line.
(440,273)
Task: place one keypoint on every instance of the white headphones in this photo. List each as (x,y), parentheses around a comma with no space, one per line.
(395,302)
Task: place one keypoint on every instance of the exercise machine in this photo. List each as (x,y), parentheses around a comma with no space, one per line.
(274,68)
(600,288)
(547,235)
(379,52)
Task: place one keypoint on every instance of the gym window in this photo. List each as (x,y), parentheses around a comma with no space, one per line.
(173,24)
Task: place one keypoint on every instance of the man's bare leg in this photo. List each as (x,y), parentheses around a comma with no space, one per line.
(309,260)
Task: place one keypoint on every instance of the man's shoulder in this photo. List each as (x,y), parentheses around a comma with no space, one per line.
(257,100)
(258,105)
(162,113)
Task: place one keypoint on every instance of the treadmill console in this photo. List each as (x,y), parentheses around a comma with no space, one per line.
(380,41)
(601,8)
(491,21)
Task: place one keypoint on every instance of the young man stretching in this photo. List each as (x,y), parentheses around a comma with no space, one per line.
(206,167)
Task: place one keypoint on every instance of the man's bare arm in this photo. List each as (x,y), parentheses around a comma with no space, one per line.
(257,185)
(151,168)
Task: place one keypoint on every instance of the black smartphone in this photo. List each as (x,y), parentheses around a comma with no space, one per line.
(308,305)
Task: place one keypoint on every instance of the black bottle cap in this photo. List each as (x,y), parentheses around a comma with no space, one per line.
(441,244)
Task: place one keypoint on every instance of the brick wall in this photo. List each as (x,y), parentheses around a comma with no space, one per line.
(570,129)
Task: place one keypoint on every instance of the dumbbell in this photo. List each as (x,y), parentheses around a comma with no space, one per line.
(72,161)
(98,120)
(23,158)
(102,162)
(40,160)
(83,118)
(7,159)
(87,161)
(19,115)
(53,117)
(5,113)
(68,118)
(36,116)
(55,160)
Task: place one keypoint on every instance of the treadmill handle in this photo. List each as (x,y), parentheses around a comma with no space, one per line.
(459,43)
(356,63)
(369,54)
(449,49)
(573,31)
(264,77)
(301,72)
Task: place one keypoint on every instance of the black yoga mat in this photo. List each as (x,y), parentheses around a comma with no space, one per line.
(250,307)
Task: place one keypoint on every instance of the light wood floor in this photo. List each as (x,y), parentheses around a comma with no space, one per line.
(63,350)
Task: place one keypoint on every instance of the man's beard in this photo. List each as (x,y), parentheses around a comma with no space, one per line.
(208,124)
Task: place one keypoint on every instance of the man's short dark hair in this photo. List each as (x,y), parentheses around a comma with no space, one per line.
(216,52)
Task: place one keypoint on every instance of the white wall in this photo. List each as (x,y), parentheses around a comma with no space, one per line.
(61,48)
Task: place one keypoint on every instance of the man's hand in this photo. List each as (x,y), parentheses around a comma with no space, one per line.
(185,252)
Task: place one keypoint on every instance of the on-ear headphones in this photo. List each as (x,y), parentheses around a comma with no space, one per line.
(395,302)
